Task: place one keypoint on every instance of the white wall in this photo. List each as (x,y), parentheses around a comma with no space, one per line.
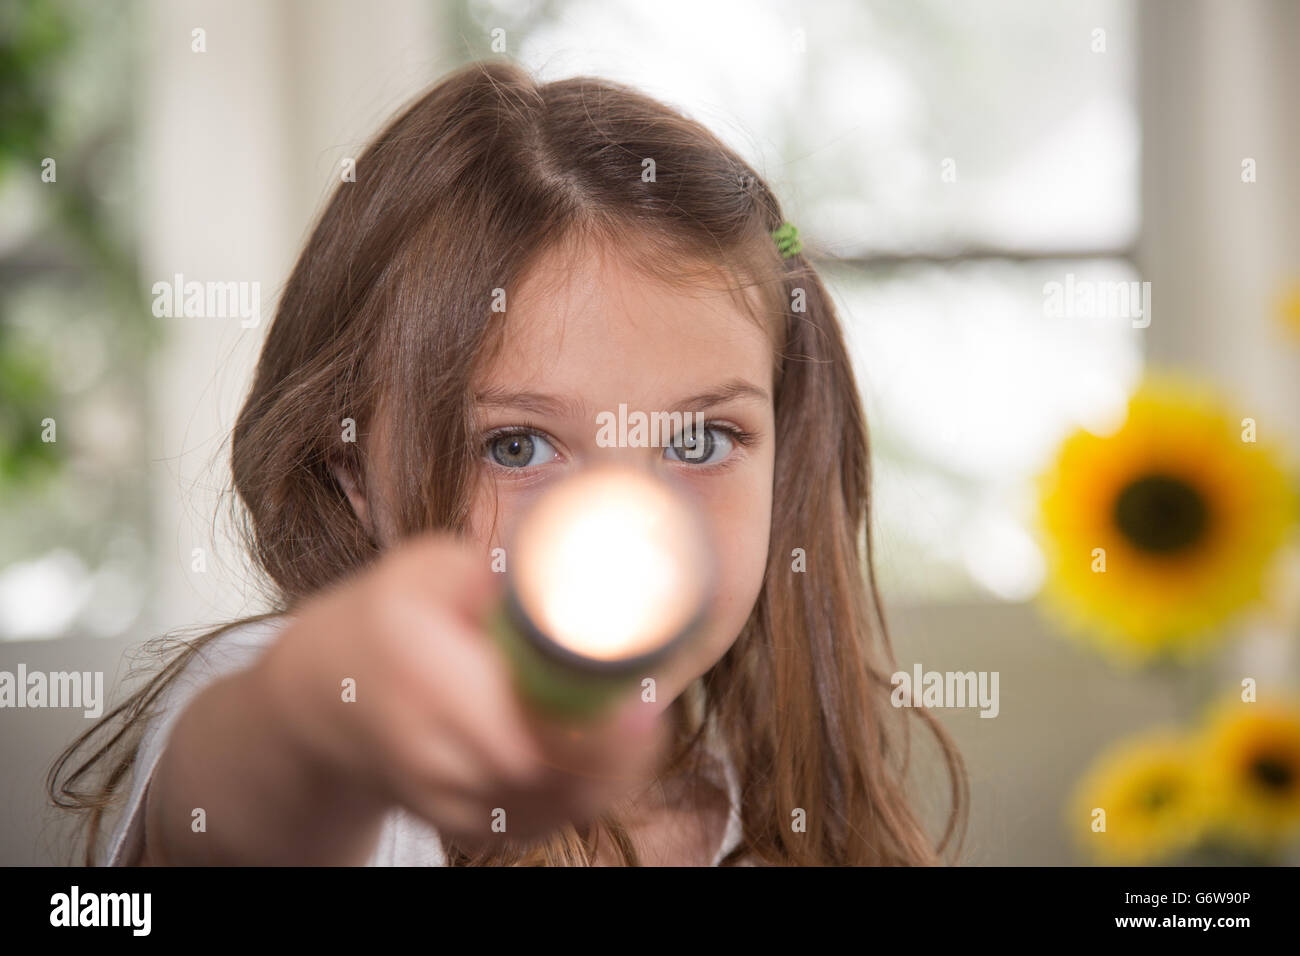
(1218,84)
(239,147)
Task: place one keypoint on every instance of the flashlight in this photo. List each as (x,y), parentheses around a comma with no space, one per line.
(608,574)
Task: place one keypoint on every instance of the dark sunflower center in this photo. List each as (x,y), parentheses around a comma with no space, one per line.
(1161,514)
(1157,796)
(1273,773)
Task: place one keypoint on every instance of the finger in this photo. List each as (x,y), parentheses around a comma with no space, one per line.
(465,820)
(483,808)
(454,572)
(479,701)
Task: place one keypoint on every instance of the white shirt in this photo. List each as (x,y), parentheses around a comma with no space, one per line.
(406,839)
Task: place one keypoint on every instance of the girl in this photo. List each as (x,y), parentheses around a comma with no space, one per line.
(503,269)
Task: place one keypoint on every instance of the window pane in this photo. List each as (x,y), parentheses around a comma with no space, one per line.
(970,379)
(853,108)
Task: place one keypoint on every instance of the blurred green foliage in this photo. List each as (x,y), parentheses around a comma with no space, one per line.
(74,244)
(34,38)
(76,330)
(35,35)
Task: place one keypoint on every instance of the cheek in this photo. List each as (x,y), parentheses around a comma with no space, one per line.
(496,508)
(740,529)
(742,556)
(488,518)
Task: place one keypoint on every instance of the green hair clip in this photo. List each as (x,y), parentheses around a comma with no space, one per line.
(787,240)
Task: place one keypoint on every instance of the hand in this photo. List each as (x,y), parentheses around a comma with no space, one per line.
(437,725)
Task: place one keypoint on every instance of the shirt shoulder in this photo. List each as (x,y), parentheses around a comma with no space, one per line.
(405,839)
(232,650)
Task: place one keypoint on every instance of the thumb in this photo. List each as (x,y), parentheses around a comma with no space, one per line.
(458,573)
(631,742)
(636,718)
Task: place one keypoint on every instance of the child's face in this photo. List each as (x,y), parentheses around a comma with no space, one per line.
(587,334)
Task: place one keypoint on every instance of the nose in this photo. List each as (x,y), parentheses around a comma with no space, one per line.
(637,458)
(648,461)
(631,439)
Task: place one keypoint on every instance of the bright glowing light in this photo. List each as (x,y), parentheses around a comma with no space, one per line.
(611,565)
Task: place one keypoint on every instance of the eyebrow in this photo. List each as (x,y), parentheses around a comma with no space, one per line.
(559,407)
(552,405)
(735,389)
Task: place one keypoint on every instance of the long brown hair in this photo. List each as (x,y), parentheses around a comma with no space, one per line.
(459,196)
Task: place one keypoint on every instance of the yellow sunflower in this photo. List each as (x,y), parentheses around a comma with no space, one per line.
(1157,534)
(1251,772)
(1152,797)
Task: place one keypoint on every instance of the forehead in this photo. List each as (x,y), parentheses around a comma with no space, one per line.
(589,320)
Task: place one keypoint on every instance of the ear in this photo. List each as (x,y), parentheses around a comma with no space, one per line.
(346,476)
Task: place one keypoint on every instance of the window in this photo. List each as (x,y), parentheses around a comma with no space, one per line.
(953,160)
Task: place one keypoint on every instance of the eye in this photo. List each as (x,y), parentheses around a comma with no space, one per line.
(706,446)
(519,449)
